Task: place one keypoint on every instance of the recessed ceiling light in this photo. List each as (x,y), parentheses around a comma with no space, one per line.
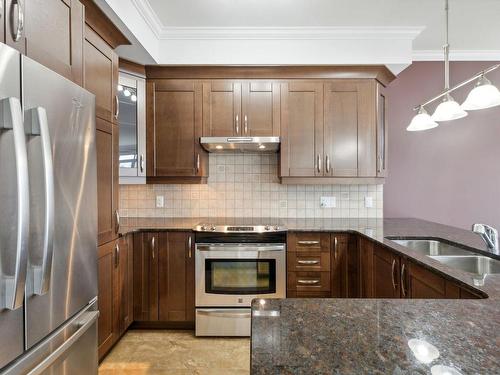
(133,98)
(120,88)
(218,147)
(262,147)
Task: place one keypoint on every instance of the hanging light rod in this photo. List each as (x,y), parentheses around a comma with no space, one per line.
(461,84)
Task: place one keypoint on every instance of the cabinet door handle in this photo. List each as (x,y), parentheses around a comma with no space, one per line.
(403,288)
(189,247)
(246,124)
(197,163)
(117,109)
(237,124)
(335,247)
(153,247)
(117,221)
(392,274)
(308,261)
(141,163)
(308,282)
(319,163)
(117,255)
(379,166)
(17,32)
(308,243)
(327,164)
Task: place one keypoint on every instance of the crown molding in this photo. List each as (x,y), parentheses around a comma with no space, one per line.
(457,55)
(289,33)
(149,16)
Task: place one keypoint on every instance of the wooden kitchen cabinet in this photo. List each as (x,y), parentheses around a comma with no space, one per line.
(145,271)
(101,75)
(108,324)
(349,129)
(173,129)
(301,129)
(334,131)
(339,265)
(57,44)
(366,249)
(176,277)
(107,138)
(115,296)
(222,109)
(386,277)
(241,108)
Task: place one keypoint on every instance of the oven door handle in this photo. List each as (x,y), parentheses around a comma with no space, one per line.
(224,314)
(241,248)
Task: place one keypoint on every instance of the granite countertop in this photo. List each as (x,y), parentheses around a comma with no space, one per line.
(371,336)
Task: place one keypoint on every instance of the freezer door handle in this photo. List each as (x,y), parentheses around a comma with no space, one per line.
(87,320)
(36,122)
(11,119)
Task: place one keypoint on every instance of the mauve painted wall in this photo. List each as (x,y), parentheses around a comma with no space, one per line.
(450,174)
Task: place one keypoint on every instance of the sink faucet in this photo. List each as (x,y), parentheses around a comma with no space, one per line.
(489,235)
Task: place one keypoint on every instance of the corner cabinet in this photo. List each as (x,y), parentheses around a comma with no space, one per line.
(333,131)
(173,130)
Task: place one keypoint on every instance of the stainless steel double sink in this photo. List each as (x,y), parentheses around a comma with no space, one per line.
(452,256)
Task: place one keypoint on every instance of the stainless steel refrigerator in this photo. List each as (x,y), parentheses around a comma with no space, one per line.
(48,221)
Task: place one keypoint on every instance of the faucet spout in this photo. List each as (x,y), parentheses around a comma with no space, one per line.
(489,235)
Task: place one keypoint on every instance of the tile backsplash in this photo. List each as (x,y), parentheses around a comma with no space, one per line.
(247,185)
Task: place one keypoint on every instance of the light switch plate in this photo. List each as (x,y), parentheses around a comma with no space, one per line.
(369,202)
(328,202)
(160,201)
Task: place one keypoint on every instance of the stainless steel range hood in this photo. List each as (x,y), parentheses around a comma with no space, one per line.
(240,144)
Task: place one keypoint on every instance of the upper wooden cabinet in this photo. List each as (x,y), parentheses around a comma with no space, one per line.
(301,129)
(101,75)
(241,108)
(333,130)
(173,130)
(58,43)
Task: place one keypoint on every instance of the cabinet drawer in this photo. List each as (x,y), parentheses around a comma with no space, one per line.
(309,281)
(313,241)
(309,261)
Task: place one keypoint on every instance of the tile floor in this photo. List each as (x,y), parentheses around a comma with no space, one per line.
(176,352)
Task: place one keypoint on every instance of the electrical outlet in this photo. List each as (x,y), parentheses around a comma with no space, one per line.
(369,202)
(328,202)
(160,201)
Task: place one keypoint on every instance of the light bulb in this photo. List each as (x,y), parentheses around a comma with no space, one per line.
(133,98)
(421,121)
(120,88)
(127,92)
(448,110)
(483,95)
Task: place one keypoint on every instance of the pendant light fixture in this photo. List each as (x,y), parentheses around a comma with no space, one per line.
(483,95)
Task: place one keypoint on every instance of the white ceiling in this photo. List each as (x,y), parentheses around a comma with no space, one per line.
(474,24)
(390,32)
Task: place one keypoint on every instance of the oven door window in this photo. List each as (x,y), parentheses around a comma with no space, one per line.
(240,276)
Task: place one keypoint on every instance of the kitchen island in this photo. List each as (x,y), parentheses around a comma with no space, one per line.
(384,336)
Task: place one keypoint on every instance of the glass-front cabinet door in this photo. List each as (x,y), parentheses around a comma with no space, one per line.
(132,121)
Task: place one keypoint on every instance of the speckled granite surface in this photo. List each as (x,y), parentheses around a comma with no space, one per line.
(370,336)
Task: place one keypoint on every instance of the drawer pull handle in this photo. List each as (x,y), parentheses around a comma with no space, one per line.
(308,242)
(308,261)
(308,282)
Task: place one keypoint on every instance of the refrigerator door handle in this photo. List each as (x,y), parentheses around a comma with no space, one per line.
(37,119)
(11,118)
(87,321)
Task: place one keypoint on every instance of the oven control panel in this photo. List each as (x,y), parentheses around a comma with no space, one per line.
(239,228)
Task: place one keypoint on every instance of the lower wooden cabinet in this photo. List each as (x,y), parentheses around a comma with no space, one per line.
(115,292)
(339,265)
(164,278)
(385,274)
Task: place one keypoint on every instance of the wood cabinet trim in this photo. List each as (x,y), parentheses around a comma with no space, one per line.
(284,72)
(102,25)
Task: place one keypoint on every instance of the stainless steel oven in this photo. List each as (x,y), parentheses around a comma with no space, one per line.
(232,268)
